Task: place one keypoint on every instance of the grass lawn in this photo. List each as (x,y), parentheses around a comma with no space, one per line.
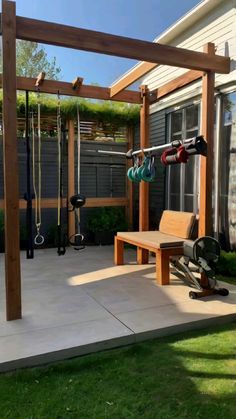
(191,375)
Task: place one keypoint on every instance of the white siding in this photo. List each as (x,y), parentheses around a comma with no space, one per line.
(218,26)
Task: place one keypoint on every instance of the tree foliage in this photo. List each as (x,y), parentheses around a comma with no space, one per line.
(31,59)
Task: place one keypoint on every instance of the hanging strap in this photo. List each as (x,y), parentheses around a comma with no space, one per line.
(77,240)
(28,195)
(61,248)
(39,239)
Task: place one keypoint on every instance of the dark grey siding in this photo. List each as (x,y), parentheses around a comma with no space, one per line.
(157,188)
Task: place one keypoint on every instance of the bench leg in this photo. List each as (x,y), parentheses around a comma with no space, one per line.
(142,256)
(162,267)
(118,251)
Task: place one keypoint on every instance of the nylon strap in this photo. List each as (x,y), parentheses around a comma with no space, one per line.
(78,167)
(59,161)
(37,185)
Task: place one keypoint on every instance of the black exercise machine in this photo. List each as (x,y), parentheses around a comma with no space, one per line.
(200,257)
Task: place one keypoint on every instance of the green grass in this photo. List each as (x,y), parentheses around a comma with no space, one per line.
(192,375)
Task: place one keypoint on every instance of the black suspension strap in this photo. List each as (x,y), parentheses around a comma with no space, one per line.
(28,195)
(78,200)
(61,242)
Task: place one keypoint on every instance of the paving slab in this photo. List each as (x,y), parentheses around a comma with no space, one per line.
(32,348)
(81,303)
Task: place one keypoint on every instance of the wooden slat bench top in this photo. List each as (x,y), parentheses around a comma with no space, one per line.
(175,227)
(152,239)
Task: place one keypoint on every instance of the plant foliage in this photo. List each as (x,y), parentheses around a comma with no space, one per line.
(107,219)
(31,59)
(227,264)
(117,113)
(1,220)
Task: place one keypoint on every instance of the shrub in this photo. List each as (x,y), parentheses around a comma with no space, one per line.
(107,219)
(1,221)
(227,264)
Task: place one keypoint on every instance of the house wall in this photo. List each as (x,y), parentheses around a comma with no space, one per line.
(218,26)
(157,188)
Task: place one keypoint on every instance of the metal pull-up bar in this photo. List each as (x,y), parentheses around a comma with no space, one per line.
(195,145)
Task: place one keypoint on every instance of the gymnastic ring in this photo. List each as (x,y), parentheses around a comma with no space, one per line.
(147,171)
(148,175)
(77,246)
(139,173)
(136,175)
(129,174)
(38,240)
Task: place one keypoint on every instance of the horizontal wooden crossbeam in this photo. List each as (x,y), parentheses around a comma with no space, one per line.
(90,203)
(86,91)
(173,85)
(103,43)
(135,74)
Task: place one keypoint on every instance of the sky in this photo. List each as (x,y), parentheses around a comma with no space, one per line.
(140,19)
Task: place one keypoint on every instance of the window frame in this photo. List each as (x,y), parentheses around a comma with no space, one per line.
(196,173)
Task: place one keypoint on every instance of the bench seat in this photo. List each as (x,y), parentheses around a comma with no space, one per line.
(175,227)
(152,239)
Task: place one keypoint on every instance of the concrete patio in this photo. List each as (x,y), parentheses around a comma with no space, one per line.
(81,303)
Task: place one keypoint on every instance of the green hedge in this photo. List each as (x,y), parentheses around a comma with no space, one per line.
(227,264)
(118,113)
(107,219)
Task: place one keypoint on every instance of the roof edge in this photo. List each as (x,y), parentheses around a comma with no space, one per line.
(182,24)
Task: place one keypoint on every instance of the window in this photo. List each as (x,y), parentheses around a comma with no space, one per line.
(182,179)
(227,175)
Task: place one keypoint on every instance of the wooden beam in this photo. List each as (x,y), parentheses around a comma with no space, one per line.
(77,83)
(106,202)
(71,175)
(88,40)
(135,74)
(90,203)
(10,158)
(206,163)
(142,254)
(173,85)
(40,79)
(66,89)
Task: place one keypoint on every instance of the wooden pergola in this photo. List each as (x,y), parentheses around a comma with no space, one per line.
(201,64)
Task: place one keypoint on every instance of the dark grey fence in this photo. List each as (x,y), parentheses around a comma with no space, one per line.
(101,176)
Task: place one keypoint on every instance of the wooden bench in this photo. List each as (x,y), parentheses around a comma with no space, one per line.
(175,227)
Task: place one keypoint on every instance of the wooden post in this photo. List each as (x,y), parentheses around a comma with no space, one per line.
(129,185)
(10,158)
(162,267)
(206,163)
(71,174)
(118,251)
(142,254)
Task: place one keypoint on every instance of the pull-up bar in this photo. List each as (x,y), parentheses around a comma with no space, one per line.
(198,142)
